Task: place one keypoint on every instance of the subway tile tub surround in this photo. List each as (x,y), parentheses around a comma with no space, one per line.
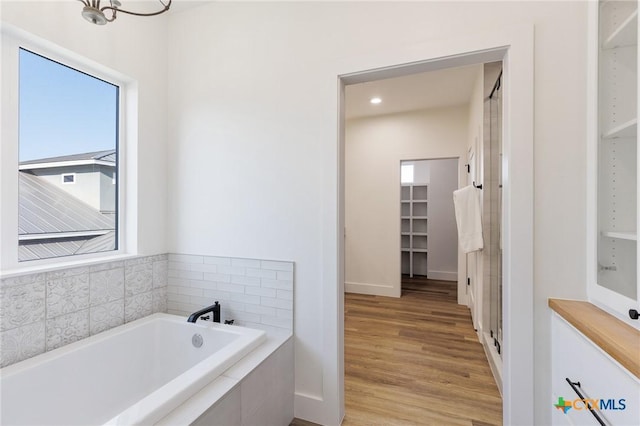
(254,293)
(43,311)
(46,310)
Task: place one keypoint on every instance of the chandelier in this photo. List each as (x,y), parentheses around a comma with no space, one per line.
(95,14)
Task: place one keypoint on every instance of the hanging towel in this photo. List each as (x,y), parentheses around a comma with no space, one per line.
(466,202)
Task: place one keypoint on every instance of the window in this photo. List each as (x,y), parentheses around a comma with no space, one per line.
(68,159)
(68,178)
(406,173)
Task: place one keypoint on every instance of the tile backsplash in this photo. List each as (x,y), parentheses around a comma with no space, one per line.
(43,311)
(254,293)
(46,310)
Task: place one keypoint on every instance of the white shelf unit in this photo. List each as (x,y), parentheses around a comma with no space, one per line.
(613,265)
(413,229)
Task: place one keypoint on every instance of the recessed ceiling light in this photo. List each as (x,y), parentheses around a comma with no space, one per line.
(375,101)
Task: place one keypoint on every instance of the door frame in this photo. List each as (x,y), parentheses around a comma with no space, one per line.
(514,47)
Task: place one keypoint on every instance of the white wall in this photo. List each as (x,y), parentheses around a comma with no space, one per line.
(253,131)
(136,48)
(374,148)
(442,241)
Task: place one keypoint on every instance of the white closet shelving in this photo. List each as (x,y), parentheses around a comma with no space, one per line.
(413,229)
(615,279)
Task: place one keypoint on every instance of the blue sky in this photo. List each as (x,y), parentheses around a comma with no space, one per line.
(63,111)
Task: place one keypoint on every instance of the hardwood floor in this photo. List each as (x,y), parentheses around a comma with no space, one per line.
(416,360)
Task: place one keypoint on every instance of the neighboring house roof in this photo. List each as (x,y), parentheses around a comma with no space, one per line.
(33,250)
(46,211)
(105,158)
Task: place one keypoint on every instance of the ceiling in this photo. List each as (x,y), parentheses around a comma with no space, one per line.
(433,89)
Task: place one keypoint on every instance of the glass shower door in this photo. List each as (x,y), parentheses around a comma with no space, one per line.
(494,192)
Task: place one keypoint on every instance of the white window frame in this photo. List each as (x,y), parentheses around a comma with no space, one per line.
(12,39)
(71,182)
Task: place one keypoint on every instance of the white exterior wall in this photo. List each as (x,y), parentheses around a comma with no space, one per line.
(107,189)
(374,148)
(91,185)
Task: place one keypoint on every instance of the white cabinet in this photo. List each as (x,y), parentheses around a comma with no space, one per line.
(614,391)
(413,228)
(613,205)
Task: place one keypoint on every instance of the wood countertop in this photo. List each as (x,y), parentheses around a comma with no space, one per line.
(618,339)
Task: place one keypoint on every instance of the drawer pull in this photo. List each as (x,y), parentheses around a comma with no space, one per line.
(576,388)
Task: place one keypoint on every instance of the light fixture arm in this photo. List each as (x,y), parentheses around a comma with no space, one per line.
(95,14)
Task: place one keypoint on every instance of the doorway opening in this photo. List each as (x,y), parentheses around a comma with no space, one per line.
(515,49)
(429,246)
(400,231)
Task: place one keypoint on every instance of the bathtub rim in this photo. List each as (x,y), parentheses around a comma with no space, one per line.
(158,403)
(47,356)
(217,389)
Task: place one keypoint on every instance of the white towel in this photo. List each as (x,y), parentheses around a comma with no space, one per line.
(467,205)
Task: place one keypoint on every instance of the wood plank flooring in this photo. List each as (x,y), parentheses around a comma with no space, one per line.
(416,360)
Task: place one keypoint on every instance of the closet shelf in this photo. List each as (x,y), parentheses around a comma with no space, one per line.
(413,243)
(628,129)
(633,236)
(625,35)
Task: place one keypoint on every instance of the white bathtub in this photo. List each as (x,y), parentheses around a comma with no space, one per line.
(133,374)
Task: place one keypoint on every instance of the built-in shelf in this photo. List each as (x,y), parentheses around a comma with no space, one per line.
(621,235)
(613,278)
(625,130)
(626,34)
(414,201)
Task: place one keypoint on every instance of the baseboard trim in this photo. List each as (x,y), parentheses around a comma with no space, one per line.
(312,408)
(495,362)
(442,275)
(372,289)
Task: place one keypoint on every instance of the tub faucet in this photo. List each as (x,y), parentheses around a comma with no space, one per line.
(215,309)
